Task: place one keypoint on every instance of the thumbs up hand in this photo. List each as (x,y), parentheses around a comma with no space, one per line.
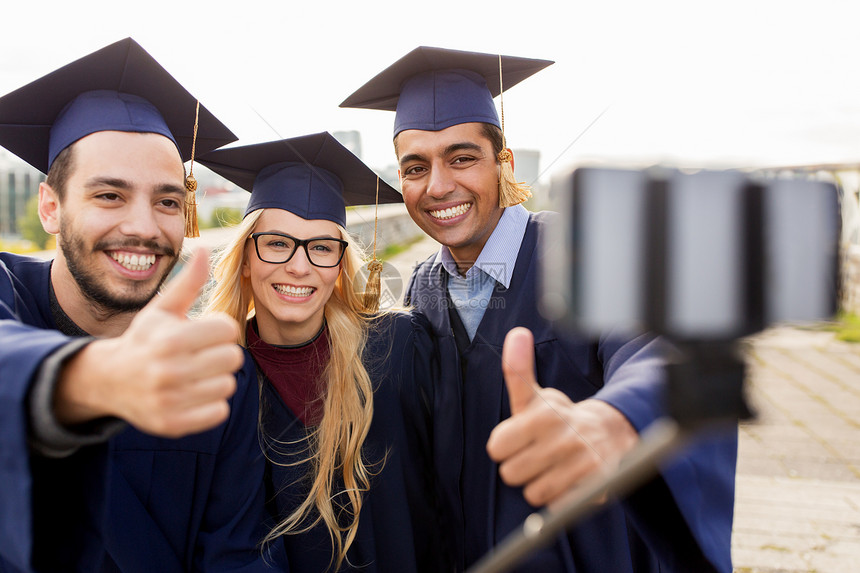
(549,444)
(166,375)
(518,366)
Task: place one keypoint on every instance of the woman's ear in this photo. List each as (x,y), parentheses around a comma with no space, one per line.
(246,266)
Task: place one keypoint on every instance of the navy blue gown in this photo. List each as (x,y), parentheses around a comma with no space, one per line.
(399,528)
(680,521)
(134,503)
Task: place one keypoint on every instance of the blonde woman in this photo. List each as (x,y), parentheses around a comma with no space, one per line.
(346,394)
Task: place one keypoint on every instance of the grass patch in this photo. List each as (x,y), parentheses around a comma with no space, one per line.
(398,248)
(23,246)
(846,327)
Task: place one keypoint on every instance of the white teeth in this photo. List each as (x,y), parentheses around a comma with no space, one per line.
(294,291)
(134,262)
(451,212)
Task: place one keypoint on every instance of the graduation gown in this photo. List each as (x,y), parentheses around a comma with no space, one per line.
(398,527)
(135,503)
(680,521)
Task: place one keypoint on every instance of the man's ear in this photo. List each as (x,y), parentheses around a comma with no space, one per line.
(499,161)
(49,208)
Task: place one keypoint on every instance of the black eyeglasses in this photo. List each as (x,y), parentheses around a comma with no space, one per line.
(278,248)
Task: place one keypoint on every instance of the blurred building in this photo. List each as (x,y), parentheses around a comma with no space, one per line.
(527,170)
(350,139)
(18,183)
(214,192)
(389,175)
(527,165)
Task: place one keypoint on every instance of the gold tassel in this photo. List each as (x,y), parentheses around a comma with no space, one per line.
(373,288)
(510,192)
(191,228)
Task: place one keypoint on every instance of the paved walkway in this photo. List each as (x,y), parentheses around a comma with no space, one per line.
(798,481)
(406,260)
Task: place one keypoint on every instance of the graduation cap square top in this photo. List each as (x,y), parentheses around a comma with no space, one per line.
(434,88)
(313,176)
(117,88)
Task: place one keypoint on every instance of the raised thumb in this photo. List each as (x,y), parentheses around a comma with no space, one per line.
(181,292)
(518,367)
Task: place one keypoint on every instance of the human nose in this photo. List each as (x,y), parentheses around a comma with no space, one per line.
(300,263)
(440,183)
(141,221)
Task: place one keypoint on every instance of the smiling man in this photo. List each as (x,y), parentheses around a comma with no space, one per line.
(445,176)
(118,223)
(95,375)
(589,401)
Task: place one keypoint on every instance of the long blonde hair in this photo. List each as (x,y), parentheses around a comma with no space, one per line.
(334,447)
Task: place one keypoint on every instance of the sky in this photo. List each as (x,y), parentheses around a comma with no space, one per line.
(739,83)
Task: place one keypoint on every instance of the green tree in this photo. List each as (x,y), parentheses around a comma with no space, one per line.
(226,217)
(31,225)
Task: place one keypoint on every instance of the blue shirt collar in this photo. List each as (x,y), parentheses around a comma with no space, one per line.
(499,255)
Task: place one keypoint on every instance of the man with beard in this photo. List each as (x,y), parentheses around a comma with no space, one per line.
(571,409)
(126,442)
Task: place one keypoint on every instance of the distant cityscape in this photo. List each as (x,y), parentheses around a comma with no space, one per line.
(19,182)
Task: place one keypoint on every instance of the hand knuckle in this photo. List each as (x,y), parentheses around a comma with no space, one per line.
(161,404)
(506,473)
(534,495)
(229,385)
(159,426)
(569,444)
(160,374)
(221,413)
(164,345)
(237,357)
(224,328)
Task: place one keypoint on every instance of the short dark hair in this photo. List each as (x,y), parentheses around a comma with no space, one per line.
(494,134)
(60,171)
(488,130)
